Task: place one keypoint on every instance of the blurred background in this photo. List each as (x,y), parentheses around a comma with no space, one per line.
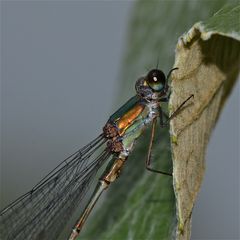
(61,78)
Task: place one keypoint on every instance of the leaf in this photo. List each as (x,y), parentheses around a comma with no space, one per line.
(141,205)
(208,58)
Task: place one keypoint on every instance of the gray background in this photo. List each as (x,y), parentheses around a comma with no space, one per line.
(59,68)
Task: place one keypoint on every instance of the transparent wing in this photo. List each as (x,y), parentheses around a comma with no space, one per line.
(43,212)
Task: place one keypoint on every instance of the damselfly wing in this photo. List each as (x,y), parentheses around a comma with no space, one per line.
(41,213)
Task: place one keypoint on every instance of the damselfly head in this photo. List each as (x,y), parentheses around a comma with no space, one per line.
(156,80)
(154,85)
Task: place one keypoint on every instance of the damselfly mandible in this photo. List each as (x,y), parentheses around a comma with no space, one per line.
(42,212)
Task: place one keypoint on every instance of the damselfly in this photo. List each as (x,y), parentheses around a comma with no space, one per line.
(42,212)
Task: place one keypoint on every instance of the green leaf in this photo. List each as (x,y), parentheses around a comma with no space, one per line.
(224,22)
(140,205)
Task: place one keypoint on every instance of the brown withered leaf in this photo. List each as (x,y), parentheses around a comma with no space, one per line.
(208,59)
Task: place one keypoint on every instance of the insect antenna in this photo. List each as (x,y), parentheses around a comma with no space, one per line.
(157,62)
(170,72)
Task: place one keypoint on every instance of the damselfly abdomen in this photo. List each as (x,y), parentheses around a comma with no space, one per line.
(42,212)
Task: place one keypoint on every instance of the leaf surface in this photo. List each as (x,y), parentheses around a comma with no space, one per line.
(208,58)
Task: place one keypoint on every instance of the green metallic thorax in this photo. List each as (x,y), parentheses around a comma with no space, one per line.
(131,119)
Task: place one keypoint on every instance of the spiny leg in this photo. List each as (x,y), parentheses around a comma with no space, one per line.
(164,124)
(179,108)
(148,160)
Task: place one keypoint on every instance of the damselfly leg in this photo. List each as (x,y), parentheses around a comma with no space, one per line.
(161,113)
(162,124)
(149,156)
(175,112)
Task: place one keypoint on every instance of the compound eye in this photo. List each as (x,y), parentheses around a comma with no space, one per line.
(156,80)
